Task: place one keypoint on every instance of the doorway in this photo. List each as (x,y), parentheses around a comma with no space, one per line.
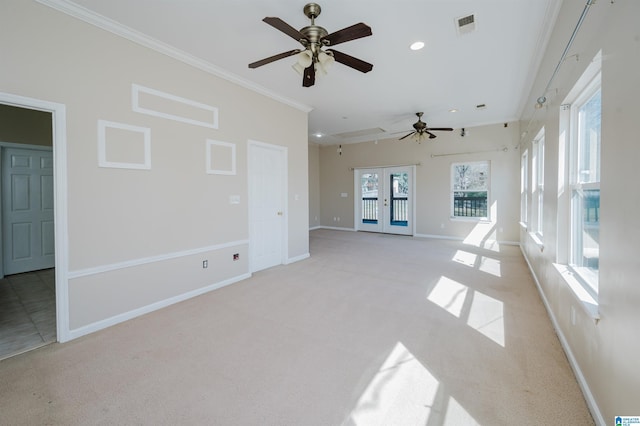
(34,295)
(384,201)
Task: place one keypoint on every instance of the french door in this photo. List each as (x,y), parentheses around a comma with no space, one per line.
(384,201)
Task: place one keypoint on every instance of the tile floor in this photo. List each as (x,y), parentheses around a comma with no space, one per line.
(27,311)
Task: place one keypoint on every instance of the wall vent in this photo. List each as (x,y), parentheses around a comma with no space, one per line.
(466,24)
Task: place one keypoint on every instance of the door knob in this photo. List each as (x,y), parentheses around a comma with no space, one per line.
(279,213)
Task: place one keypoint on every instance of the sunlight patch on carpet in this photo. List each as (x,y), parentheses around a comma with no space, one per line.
(449,295)
(487,317)
(401,393)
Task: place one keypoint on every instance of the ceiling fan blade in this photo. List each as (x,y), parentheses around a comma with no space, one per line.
(431,135)
(347,34)
(309,77)
(406,136)
(350,61)
(279,24)
(441,129)
(270,59)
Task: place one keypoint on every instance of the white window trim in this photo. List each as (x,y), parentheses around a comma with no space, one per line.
(584,88)
(524,189)
(537,189)
(584,275)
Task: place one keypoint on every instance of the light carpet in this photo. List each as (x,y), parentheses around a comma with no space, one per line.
(372,329)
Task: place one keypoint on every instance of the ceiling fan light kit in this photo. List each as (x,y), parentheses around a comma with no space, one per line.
(421,130)
(312,59)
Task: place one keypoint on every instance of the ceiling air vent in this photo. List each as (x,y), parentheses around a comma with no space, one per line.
(359,133)
(466,24)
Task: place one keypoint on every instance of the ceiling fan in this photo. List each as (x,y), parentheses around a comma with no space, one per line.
(421,129)
(312,59)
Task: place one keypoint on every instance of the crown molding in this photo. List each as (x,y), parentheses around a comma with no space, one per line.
(137,37)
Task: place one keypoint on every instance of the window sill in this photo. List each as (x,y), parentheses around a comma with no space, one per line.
(469,219)
(536,239)
(587,301)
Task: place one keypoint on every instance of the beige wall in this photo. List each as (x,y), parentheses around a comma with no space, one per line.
(118,216)
(605,353)
(494,143)
(314,185)
(26,126)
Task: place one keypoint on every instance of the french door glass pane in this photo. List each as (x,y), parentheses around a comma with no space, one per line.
(399,207)
(369,182)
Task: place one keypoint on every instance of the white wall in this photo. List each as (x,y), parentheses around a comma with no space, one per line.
(494,143)
(604,354)
(137,238)
(314,185)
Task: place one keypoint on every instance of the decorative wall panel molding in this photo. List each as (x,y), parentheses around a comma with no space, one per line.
(221,158)
(165,105)
(123,146)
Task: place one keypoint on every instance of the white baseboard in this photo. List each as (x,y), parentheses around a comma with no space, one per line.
(588,395)
(125,316)
(336,228)
(313,228)
(298,258)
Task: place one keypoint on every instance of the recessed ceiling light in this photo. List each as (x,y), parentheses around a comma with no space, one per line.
(453,110)
(417,45)
(318,135)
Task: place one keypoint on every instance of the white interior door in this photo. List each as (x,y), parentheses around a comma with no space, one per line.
(27,210)
(267,205)
(385,200)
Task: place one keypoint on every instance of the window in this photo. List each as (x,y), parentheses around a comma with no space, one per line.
(538,183)
(470,189)
(584,184)
(524,186)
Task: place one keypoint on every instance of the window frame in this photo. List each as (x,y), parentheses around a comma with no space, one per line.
(524,188)
(588,278)
(538,185)
(452,191)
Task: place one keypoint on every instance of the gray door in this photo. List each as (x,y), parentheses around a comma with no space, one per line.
(27,210)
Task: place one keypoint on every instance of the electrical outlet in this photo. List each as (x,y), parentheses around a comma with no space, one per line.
(205,264)
(236,256)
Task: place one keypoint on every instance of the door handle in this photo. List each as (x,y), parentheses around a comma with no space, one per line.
(279,213)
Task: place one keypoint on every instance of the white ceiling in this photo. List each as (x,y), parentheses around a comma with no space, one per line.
(494,65)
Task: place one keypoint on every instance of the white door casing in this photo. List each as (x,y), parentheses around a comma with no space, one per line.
(27,210)
(267,166)
(58,113)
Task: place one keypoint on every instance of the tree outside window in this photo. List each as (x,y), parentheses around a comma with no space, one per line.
(470,189)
